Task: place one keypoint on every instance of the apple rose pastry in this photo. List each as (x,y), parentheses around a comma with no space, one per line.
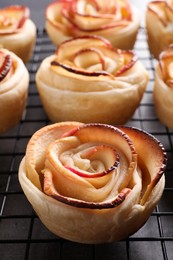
(93,183)
(159,25)
(14,80)
(17,31)
(118,21)
(86,80)
(163,87)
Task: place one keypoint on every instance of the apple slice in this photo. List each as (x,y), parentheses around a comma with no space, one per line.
(90,59)
(87,15)
(104,16)
(5,65)
(12,18)
(168,12)
(92,56)
(125,10)
(157,8)
(55,67)
(154,164)
(50,190)
(107,135)
(100,157)
(105,67)
(129,60)
(91,22)
(76,44)
(163,10)
(166,65)
(85,7)
(85,161)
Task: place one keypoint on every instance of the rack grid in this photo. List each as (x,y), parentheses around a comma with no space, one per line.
(23,236)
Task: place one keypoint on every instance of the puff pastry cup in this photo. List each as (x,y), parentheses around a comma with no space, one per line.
(163,87)
(87,80)
(93,183)
(117,21)
(17,31)
(14,81)
(159,25)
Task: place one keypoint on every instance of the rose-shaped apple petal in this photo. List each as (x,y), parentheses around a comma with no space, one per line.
(163,87)
(5,65)
(166,65)
(85,14)
(12,18)
(159,20)
(50,190)
(85,7)
(82,187)
(67,155)
(134,190)
(88,70)
(14,79)
(97,15)
(33,158)
(152,163)
(90,59)
(100,59)
(117,21)
(169,12)
(78,44)
(158,9)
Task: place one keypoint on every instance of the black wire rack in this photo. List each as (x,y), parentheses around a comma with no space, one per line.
(23,236)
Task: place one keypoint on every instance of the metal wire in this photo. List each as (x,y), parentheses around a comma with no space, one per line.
(22,235)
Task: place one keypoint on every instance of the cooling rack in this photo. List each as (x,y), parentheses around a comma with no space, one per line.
(23,236)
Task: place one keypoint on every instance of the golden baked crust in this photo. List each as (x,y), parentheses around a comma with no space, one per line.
(92,183)
(163,87)
(118,22)
(86,80)
(13,90)
(159,25)
(17,31)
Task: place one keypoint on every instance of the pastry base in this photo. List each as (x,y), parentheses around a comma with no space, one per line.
(163,100)
(21,43)
(13,95)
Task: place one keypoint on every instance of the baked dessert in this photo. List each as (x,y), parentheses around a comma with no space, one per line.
(159,25)
(163,87)
(93,183)
(14,81)
(87,80)
(117,21)
(17,31)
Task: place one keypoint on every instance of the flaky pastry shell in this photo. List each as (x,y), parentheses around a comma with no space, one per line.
(117,21)
(93,183)
(163,87)
(13,89)
(87,80)
(17,31)
(159,25)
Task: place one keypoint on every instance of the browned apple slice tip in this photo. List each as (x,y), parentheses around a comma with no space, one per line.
(50,190)
(5,65)
(80,71)
(105,154)
(154,165)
